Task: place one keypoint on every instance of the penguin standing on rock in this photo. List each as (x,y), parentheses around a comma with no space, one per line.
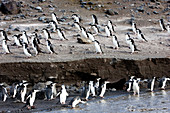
(95,20)
(61,34)
(63,95)
(4,35)
(115,42)
(3,93)
(98,47)
(5,47)
(161,23)
(17,39)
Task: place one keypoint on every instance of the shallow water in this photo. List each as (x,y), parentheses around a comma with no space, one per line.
(156,102)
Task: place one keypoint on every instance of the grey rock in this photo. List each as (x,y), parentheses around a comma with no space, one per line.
(42,18)
(140,8)
(38,8)
(7,18)
(111,12)
(155,12)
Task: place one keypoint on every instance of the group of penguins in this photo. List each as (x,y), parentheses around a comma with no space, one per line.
(93,88)
(22,40)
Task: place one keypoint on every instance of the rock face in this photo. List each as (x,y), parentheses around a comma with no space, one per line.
(115,70)
(10,7)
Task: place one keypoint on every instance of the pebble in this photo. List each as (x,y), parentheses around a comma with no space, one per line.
(42,18)
(7,18)
(38,8)
(155,12)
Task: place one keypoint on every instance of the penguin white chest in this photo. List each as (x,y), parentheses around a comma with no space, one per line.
(97,46)
(5,47)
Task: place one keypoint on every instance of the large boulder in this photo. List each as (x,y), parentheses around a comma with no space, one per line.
(10,7)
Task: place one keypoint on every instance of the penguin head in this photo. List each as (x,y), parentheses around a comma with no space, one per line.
(74,15)
(63,86)
(110,22)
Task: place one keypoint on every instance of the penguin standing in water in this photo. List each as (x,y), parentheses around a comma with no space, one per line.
(46,33)
(95,29)
(84,32)
(151,84)
(54,18)
(140,35)
(136,86)
(25,37)
(76,18)
(130,83)
(63,95)
(61,34)
(50,47)
(108,31)
(162,82)
(35,45)
(134,28)
(161,23)
(26,50)
(110,25)
(17,39)
(31,99)
(92,89)
(3,93)
(5,47)
(95,20)
(103,89)
(115,42)
(4,35)
(98,47)
(132,46)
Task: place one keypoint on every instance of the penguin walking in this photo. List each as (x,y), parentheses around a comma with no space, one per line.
(92,88)
(76,18)
(140,35)
(95,29)
(37,38)
(96,85)
(95,20)
(108,31)
(84,32)
(115,42)
(48,92)
(26,50)
(35,45)
(162,25)
(110,25)
(127,38)
(162,82)
(13,90)
(98,47)
(103,89)
(135,87)
(4,35)
(25,37)
(75,101)
(50,47)
(130,83)
(54,25)
(31,99)
(61,34)
(3,93)
(132,46)
(63,95)
(46,33)
(134,27)
(85,91)
(151,84)
(54,18)
(77,25)
(90,36)
(5,47)
(23,91)
(17,39)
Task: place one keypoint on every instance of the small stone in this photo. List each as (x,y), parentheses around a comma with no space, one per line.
(42,18)
(140,9)
(155,12)
(111,12)
(7,18)
(38,8)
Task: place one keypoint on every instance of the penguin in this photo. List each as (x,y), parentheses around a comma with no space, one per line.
(95,28)
(17,39)
(132,46)
(13,90)
(46,33)
(75,101)
(77,25)
(130,83)
(108,31)
(161,23)
(84,32)
(23,91)
(63,95)
(87,93)
(135,87)
(54,18)
(151,84)
(90,36)
(140,35)
(168,28)
(98,47)
(85,90)
(127,38)
(76,18)
(103,89)
(61,34)
(92,88)
(96,85)
(110,25)
(95,20)
(4,35)
(3,93)
(48,92)
(134,28)
(36,37)
(162,82)
(35,45)
(50,47)
(5,47)
(25,37)
(115,42)
(26,50)
(31,99)
(54,25)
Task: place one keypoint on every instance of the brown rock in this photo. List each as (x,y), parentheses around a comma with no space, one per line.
(84,40)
